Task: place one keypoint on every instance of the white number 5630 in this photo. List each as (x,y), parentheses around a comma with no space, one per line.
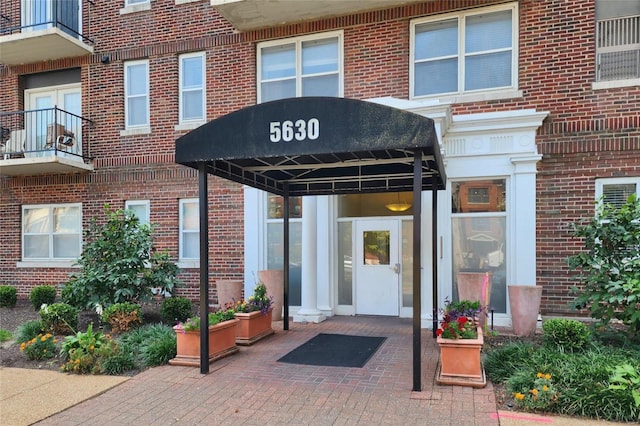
(299,130)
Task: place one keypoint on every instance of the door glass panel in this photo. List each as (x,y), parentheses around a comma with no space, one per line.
(407,263)
(275,255)
(345,266)
(376,245)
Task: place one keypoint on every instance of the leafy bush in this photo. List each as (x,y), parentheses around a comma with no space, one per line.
(44,294)
(122,316)
(626,378)
(113,263)
(568,334)
(85,351)
(609,267)
(42,346)
(5,335)
(504,362)
(29,330)
(59,318)
(8,296)
(176,309)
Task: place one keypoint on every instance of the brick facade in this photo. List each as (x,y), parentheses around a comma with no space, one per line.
(588,134)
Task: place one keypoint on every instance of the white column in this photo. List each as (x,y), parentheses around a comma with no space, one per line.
(308,311)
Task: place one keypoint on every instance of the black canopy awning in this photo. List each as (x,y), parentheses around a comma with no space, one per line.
(318,145)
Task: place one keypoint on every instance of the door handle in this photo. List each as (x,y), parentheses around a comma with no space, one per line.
(396,268)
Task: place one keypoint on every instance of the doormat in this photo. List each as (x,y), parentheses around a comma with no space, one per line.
(334,350)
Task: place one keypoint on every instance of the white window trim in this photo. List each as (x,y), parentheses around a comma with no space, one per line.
(181,90)
(139,127)
(298,42)
(135,7)
(51,261)
(145,203)
(600,183)
(470,95)
(185,261)
(614,84)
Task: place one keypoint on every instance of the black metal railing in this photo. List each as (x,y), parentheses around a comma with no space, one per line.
(43,14)
(44,132)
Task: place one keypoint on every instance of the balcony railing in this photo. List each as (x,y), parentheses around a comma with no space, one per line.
(50,135)
(618,48)
(42,30)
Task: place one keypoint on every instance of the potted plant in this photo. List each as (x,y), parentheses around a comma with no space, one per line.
(222,338)
(254,315)
(460,340)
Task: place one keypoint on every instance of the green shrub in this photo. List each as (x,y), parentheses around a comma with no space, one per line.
(118,362)
(122,316)
(42,346)
(29,330)
(44,294)
(502,363)
(59,318)
(114,263)
(609,265)
(568,334)
(8,296)
(175,310)
(151,344)
(5,335)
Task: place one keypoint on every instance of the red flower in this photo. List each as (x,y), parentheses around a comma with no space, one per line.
(462,320)
(438,332)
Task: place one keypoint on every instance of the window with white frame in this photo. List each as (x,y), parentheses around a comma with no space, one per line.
(51,232)
(617,40)
(302,66)
(140,208)
(192,87)
(136,81)
(189,229)
(616,191)
(132,2)
(468,52)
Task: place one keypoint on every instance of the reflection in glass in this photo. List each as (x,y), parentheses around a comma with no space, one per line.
(376,245)
(275,255)
(407,263)
(276,207)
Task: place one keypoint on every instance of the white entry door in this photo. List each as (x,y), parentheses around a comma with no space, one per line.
(377,264)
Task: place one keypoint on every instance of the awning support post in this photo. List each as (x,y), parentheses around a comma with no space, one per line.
(204,267)
(417,270)
(434,252)
(285,234)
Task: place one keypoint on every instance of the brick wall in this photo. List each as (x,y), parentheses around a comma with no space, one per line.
(588,134)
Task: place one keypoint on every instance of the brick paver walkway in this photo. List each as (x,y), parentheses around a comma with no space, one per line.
(252,388)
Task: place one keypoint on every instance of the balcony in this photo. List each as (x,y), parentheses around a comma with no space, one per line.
(618,48)
(43,30)
(44,141)
(247,15)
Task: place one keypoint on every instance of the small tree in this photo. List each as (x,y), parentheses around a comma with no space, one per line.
(116,263)
(610,264)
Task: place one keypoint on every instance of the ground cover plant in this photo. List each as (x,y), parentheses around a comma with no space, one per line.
(548,378)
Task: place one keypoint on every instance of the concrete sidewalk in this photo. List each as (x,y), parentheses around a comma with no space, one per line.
(252,388)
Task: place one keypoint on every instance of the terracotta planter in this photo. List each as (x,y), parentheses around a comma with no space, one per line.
(253,326)
(524,301)
(273,279)
(460,362)
(475,286)
(222,342)
(229,291)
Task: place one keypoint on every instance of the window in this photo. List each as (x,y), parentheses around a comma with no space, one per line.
(51,232)
(305,66)
(192,87)
(479,225)
(136,76)
(140,208)
(189,229)
(471,52)
(132,2)
(615,191)
(617,41)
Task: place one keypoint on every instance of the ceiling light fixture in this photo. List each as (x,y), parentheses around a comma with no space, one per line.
(398,206)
